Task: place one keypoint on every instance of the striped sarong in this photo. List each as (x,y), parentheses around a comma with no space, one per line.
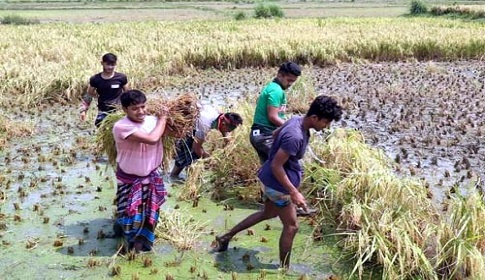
(184,154)
(138,201)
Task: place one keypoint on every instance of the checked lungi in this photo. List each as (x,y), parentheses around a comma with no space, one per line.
(138,200)
(185,156)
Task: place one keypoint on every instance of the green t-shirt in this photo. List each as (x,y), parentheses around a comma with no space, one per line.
(271,95)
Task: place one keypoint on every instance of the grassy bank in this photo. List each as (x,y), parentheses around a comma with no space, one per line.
(461,11)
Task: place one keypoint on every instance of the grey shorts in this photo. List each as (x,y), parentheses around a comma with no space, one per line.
(278,198)
(261,143)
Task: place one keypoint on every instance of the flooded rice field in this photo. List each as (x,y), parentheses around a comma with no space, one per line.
(56,196)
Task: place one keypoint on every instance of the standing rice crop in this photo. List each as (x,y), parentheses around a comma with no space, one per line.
(461,238)
(53,62)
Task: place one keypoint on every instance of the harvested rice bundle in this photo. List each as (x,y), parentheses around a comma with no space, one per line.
(231,169)
(105,141)
(183,113)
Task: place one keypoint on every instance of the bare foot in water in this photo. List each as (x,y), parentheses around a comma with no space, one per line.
(222,243)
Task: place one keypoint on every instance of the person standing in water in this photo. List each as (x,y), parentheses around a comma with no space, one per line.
(140,191)
(107,86)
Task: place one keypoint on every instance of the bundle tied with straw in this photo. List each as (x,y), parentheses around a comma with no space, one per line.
(183,113)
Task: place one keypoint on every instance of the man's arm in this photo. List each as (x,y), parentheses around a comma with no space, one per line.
(152,137)
(279,173)
(273,116)
(199,149)
(126,87)
(86,101)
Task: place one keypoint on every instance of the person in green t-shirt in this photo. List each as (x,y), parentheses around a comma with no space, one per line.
(270,109)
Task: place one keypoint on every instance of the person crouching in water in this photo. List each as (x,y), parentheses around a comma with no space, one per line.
(141,190)
(281,175)
(191,148)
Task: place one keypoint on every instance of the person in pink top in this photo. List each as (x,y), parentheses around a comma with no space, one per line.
(140,191)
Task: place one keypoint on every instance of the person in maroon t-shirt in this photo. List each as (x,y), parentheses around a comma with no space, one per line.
(281,175)
(107,86)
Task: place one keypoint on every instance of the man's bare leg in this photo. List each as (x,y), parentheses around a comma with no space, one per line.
(269,211)
(174,174)
(290,228)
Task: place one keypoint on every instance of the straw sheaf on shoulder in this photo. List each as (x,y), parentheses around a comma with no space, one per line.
(183,114)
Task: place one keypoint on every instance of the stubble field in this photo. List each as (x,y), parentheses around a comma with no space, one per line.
(413,87)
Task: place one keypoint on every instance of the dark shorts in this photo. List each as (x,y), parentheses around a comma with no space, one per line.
(261,143)
(185,156)
(99,118)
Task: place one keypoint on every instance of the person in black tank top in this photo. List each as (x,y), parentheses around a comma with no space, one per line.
(107,86)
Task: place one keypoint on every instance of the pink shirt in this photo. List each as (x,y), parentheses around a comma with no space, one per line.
(134,157)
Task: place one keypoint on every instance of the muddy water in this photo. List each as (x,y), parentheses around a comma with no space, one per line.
(56,218)
(429,117)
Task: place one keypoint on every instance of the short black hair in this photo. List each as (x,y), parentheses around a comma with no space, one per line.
(110,58)
(234,118)
(290,68)
(325,107)
(132,97)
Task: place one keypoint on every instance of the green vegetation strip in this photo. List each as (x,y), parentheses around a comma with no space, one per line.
(54,61)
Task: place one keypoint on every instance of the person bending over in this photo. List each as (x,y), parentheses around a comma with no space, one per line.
(191,148)
(281,175)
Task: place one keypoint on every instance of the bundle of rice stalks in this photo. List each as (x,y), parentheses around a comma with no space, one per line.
(231,170)
(387,220)
(197,179)
(183,112)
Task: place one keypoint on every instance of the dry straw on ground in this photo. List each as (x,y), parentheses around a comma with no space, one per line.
(14,128)
(183,112)
(181,230)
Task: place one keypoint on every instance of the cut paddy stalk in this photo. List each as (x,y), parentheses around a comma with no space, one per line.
(181,230)
(183,112)
(389,220)
(231,169)
(386,219)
